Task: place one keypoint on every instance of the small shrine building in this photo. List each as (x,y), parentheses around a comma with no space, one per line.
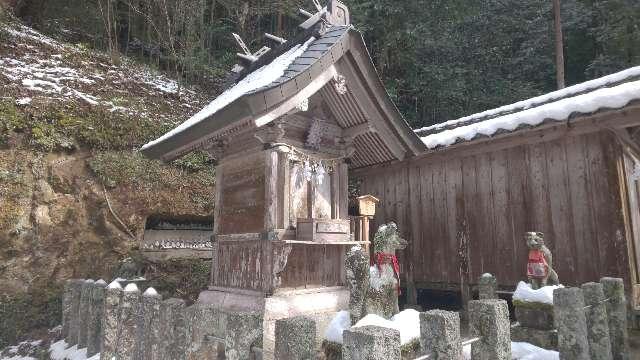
(299,118)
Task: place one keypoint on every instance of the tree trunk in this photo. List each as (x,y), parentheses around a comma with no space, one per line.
(559,44)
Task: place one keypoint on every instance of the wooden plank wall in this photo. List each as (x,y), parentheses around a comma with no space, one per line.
(567,188)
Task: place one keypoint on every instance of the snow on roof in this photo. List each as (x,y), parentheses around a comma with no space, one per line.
(611,98)
(257,79)
(539,100)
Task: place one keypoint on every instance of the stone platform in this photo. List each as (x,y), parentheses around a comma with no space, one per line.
(319,304)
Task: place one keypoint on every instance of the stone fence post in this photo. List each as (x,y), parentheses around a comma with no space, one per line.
(489,320)
(172,325)
(568,309)
(94,323)
(111,321)
(74,312)
(242,331)
(617,313)
(129,314)
(295,339)
(67,300)
(440,334)
(371,343)
(83,316)
(487,286)
(597,322)
(151,333)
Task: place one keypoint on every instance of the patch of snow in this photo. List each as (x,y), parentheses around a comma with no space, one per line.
(101,282)
(114,285)
(150,292)
(41,85)
(257,79)
(539,100)
(18,357)
(131,287)
(60,351)
(521,351)
(543,295)
(486,275)
(340,322)
(28,33)
(611,98)
(407,322)
(24,101)
(526,351)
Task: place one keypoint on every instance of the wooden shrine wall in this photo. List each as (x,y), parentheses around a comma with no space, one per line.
(243,196)
(567,188)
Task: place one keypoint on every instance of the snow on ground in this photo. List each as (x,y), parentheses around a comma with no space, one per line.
(61,351)
(257,79)
(36,68)
(521,351)
(542,99)
(611,98)
(406,321)
(543,295)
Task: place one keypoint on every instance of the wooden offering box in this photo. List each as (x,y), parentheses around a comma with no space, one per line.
(324,231)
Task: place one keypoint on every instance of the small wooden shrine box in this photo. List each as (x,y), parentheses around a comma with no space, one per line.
(367,205)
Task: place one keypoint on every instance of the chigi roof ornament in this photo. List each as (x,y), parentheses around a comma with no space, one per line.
(334,13)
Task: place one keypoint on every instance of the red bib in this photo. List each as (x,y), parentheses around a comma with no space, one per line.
(537,265)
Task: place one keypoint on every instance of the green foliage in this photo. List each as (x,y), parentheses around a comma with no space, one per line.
(40,308)
(153,180)
(194,161)
(61,128)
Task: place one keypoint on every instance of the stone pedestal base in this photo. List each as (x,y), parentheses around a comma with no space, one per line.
(546,339)
(319,304)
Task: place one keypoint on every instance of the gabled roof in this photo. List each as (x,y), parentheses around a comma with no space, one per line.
(610,92)
(295,71)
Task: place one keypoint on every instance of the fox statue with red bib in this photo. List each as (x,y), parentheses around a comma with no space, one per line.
(540,264)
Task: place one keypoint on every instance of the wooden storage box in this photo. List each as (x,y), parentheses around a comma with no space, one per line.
(323,230)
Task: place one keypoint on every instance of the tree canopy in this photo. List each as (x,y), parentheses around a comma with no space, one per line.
(439,59)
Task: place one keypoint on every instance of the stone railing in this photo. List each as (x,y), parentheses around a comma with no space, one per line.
(126,324)
(587,322)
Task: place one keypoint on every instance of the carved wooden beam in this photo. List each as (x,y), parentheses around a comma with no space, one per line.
(354,131)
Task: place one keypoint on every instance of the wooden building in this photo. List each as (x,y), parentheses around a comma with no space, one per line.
(563,164)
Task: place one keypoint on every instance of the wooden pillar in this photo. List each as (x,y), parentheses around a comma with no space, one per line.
(343,197)
(217,210)
(271,190)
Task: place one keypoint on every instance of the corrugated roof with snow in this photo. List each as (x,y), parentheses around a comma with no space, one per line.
(610,92)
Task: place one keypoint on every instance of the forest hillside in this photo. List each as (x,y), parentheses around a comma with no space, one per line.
(74,192)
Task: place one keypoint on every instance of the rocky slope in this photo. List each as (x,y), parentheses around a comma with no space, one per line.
(74,192)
